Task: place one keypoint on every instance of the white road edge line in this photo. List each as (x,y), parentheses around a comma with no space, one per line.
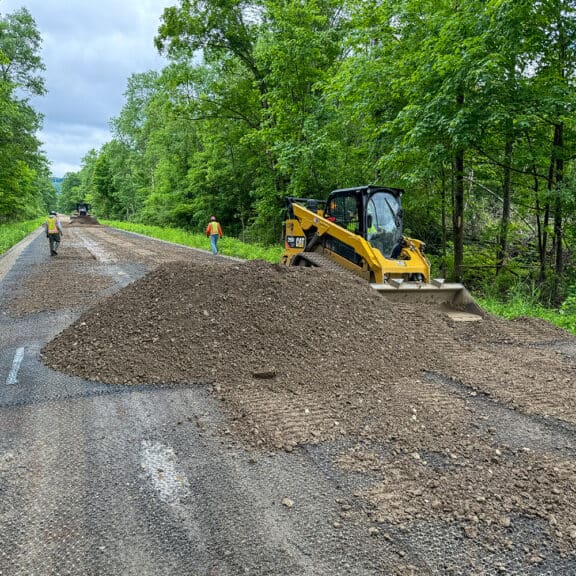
(13,376)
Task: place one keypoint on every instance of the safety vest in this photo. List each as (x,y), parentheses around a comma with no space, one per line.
(214,228)
(52,227)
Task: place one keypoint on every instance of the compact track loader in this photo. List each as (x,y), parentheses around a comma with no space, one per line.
(82,215)
(360,229)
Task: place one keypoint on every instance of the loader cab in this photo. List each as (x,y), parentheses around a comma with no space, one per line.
(373,212)
(83,208)
(384,221)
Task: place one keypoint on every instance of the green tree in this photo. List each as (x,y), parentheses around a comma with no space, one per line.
(22,164)
(468,105)
(71,192)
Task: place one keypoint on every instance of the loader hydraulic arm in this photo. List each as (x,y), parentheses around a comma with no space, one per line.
(308,220)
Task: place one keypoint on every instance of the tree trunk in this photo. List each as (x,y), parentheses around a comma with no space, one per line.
(444,223)
(458,214)
(550,187)
(506,202)
(458,211)
(540,228)
(558,232)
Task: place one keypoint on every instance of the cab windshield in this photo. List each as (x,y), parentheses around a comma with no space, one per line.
(384,225)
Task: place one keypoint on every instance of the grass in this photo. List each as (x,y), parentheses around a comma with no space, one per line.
(12,233)
(227,245)
(518,307)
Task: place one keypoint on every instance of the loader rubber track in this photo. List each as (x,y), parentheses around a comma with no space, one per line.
(317,260)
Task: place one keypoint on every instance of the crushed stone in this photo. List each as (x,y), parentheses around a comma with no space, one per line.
(305,356)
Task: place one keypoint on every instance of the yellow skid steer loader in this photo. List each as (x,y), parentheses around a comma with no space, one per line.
(360,229)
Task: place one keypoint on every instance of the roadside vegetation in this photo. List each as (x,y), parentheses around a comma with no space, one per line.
(11,234)
(521,305)
(226,245)
(26,190)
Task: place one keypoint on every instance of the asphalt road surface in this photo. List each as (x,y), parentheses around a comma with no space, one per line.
(105,480)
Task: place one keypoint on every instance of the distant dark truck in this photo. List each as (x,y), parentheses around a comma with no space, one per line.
(83,208)
(82,215)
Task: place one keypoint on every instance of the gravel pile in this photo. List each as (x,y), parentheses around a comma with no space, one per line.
(82,221)
(449,420)
(223,322)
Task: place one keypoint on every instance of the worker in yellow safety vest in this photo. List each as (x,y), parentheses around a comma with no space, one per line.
(54,232)
(353,223)
(214,232)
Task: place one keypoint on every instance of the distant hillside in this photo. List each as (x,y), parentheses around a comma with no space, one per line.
(57,183)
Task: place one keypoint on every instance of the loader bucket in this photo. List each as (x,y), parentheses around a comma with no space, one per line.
(451,298)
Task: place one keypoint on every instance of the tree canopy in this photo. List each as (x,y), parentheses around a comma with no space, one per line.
(469,106)
(25,186)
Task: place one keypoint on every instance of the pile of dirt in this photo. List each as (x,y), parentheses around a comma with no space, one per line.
(82,221)
(422,404)
(221,322)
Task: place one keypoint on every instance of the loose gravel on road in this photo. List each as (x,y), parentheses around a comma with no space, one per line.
(303,357)
(418,445)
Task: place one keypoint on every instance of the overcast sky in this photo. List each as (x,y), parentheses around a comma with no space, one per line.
(90,49)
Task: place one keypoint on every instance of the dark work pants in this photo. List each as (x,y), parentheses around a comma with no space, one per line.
(54,242)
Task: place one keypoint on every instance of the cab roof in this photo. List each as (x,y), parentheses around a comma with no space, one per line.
(370,188)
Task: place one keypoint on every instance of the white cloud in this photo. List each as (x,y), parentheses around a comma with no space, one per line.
(67,144)
(90,50)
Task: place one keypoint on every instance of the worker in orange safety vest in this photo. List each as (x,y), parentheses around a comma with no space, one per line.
(214,232)
(53,232)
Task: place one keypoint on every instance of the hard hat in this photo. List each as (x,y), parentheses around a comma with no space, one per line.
(213,218)
(52,213)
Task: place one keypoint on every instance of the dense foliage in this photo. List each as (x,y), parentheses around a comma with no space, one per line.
(467,105)
(25,186)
